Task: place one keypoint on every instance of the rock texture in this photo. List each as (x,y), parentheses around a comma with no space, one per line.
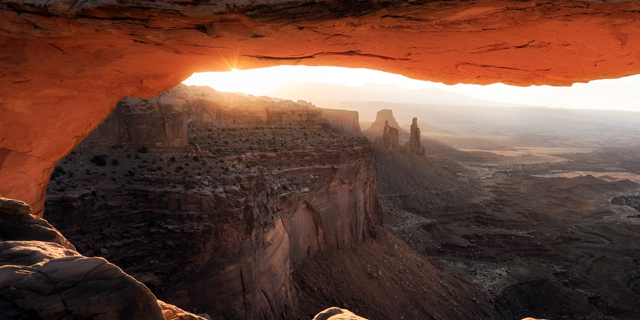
(383,278)
(161,122)
(388,141)
(336,314)
(217,227)
(44,277)
(66,64)
(414,145)
(384,119)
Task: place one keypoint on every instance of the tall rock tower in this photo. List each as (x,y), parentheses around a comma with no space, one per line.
(388,141)
(414,145)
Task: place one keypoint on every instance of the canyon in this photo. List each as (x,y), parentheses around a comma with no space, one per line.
(216,225)
(254,218)
(66,64)
(549,233)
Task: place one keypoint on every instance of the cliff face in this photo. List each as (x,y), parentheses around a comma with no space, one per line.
(220,230)
(161,122)
(342,122)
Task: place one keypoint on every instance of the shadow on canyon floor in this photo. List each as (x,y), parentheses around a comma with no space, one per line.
(265,208)
(543,239)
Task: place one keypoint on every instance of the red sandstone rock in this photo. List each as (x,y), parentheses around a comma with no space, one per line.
(65,66)
(227,246)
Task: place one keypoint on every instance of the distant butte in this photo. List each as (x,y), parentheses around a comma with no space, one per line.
(384,118)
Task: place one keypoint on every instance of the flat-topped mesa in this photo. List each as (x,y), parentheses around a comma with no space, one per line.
(162,122)
(263,184)
(388,141)
(384,118)
(414,145)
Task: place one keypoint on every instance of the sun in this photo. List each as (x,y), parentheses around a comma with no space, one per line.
(261,81)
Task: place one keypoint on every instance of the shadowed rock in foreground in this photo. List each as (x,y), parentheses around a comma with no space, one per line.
(337,314)
(45,278)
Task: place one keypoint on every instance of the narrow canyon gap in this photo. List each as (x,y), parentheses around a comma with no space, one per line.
(64,64)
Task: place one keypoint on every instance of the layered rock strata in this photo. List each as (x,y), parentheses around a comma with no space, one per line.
(217,227)
(65,64)
(161,122)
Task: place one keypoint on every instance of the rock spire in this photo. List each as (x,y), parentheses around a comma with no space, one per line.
(414,145)
(388,141)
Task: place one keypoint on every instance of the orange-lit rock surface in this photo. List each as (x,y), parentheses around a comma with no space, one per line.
(64,64)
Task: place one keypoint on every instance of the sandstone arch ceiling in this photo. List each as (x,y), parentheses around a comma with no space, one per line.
(64,64)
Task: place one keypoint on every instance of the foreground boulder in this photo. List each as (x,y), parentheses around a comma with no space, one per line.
(337,314)
(45,278)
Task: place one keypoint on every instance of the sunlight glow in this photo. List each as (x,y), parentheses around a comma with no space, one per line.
(617,94)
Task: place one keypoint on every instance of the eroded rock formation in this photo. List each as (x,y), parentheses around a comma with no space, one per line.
(66,64)
(384,118)
(161,122)
(218,226)
(414,145)
(336,314)
(388,141)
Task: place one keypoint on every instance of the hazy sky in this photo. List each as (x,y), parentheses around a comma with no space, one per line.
(615,94)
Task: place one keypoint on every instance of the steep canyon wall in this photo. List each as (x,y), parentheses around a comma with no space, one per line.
(162,122)
(219,230)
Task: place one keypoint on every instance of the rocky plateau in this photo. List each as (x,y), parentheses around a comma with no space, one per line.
(255,218)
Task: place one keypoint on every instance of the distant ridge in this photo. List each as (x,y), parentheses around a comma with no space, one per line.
(379,92)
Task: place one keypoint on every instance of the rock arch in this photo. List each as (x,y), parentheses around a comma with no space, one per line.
(64,64)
